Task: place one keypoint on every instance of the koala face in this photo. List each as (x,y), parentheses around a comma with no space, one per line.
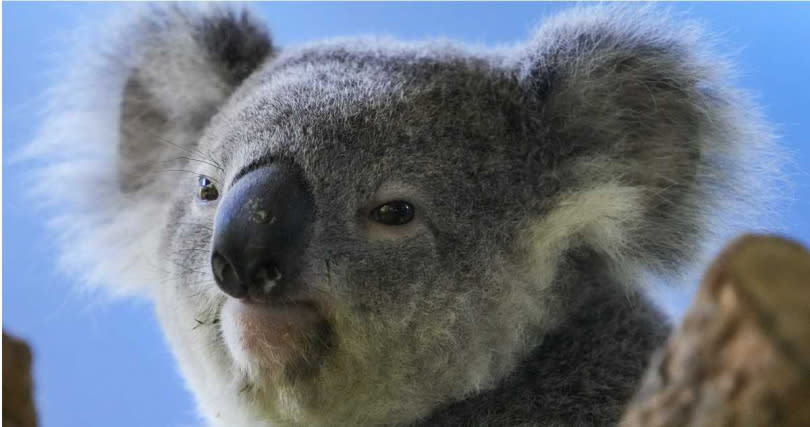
(397,260)
(363,231)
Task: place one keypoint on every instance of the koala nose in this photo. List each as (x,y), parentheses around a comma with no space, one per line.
(260,230)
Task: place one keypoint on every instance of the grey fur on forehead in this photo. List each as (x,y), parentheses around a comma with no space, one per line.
(550,174)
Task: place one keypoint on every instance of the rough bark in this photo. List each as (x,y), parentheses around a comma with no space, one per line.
(741,356)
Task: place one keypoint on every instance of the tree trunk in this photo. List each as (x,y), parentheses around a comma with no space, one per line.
(18,395)
(741,356)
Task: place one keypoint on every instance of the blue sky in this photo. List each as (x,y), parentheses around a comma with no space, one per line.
(102,363)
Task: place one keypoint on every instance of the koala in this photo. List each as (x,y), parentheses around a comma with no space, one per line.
(374,232)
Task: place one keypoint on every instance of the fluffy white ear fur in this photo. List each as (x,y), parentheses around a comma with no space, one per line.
(99,232)
(102,233)
(737,168)
(602,216)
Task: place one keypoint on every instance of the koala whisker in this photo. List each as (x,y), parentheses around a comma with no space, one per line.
(191,151)
(206,322)
(188,171)
(193,159)
(129,128)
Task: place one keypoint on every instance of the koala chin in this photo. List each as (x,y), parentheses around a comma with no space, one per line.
(376,232)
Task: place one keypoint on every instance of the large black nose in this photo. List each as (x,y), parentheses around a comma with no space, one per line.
(260,230)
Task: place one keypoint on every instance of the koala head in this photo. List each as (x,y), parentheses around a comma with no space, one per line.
(357,231)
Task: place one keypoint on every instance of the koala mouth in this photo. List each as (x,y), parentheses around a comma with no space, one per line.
(284,338)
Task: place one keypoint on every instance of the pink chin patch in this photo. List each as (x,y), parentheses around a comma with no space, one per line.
(267,336)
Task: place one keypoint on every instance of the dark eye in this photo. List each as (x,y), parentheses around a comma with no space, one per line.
(395,212)
(206,190)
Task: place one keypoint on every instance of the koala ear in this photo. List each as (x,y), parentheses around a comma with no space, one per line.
(642,130)
(141,89)
(184,66)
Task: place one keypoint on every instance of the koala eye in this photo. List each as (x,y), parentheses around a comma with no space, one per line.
(206,191)
(395,212)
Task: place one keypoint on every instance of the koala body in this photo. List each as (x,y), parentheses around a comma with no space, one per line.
(373,232)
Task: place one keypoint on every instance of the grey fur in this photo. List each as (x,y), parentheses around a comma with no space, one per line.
(546,178)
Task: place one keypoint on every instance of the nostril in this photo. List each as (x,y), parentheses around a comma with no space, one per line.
(226,276)
(267,278)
